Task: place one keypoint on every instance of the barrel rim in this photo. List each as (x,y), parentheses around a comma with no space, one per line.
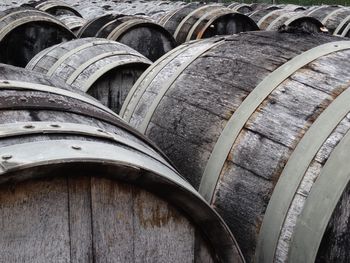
(75,153)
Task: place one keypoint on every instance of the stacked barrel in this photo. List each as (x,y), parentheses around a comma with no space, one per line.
(151,131)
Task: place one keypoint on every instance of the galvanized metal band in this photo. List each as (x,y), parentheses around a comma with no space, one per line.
(345,31)
(316,9)
(210,14)
(324,20)
(46,6)
(84,27)
(294,18)
(30,155)
(341,25)
(38,57)
(267,16)
(293,173)
(232,5)
(122,28)
(274,22)
(25,11)
(70,53)
(320,204)
(93,60)
(183,21)
(211,21)
(50,3)
(7,84)
(168,84)
(166,19)
(239,6)
(100,72)
(18,22)
(237,121)
(132,99)
(105,25)
(253,13)
(30,128)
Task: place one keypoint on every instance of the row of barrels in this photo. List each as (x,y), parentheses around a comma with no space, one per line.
(26,31)
(80,185)
(257,123)
(269,155)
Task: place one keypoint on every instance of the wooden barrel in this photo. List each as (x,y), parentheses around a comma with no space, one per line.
(74,23)
(239,115)
(79,185)
(292,7)
(211,20)
(141,34)
(171,21)
(24,32)
(103,68)
(55,7)
(335,18)
(277,19)
(240,7)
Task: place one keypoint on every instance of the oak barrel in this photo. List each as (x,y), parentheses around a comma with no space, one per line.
(103,68)
(55,7)
(279,18)
(141,34)
(211,20)
(196,21)
(335,18)
(74,23)
(79,185)
(24,32)
(253,121)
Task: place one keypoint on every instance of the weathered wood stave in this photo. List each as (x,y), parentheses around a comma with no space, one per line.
(69,164)
(184,88)
(24,32)
(104,69)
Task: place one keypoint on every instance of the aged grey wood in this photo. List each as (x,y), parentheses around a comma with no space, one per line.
(80,216)
(112,221)
(161,233)
(212,20)
(226,74)
(139,33)
(34,221)
(104,69)
(25,32)
(330,16)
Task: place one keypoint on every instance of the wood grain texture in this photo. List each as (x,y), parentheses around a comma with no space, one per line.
(34,222)
(80,217)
